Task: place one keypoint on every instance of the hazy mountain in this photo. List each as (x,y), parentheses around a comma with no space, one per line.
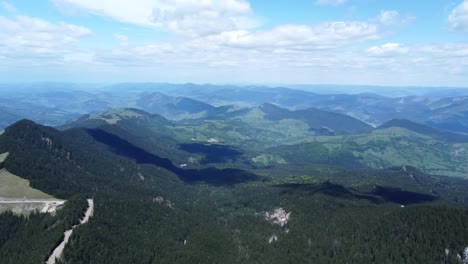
(171,107)
(321,122)
(426,130)
(445,111)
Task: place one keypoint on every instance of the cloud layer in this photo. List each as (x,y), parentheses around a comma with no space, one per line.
(186,17)
(24,37)
(223,41)
(458,18)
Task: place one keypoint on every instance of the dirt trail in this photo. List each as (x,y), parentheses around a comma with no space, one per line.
(57,253)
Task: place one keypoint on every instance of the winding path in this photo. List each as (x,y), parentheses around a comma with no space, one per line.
(57,253)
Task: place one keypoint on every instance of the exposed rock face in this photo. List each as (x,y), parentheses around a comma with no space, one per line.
(279,217)
(213,140)
(48,141)
(272,239)
(465,256)
(161,201)
(158,200)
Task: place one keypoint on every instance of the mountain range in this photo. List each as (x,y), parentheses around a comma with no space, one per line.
(183,101)
(178,179)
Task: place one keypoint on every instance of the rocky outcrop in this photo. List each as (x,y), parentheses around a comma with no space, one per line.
(272,239)
(278,217)
(464,256)
(161,201)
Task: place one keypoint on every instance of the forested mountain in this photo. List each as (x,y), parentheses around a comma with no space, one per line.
(149,210)
(237,176)
(426,130)
(321,122)
(268,135)
(382,148)
(171,107)
(233,132)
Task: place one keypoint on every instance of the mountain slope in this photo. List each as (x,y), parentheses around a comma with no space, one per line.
(148,211)
(382,148)
(426,130)
(319,121)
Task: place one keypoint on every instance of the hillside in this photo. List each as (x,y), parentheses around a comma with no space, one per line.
(426,130)
(199,217)
(383,148)
(269,135)
(320,122)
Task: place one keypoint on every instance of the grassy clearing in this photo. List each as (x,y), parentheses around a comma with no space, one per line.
(12,186)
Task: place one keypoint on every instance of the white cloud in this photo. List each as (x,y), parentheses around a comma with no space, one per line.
(8,7)
(23,37)
(458,18)
(447,50)
(392,17)
(224,43)
(389,49)
(300,37)
(330,2)
(122,39)
(188,17)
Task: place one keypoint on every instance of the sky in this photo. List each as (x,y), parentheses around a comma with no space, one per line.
(362,42)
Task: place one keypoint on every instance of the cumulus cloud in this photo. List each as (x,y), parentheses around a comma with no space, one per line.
(392,17)
(24,36)
(389,49)
(187,17)
(458,18)
(300,37)
(330,2)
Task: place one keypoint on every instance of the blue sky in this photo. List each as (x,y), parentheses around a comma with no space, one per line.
(374,42)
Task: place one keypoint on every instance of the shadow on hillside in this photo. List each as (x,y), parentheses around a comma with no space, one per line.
(402,197)
(213,176)
(329,189)
(213,153)
(379,195)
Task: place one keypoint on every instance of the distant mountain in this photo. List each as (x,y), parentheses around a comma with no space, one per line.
(444,112)
(171,107)
(11,112)
(426,130)
(111,117)
(320,122)
(54,104)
